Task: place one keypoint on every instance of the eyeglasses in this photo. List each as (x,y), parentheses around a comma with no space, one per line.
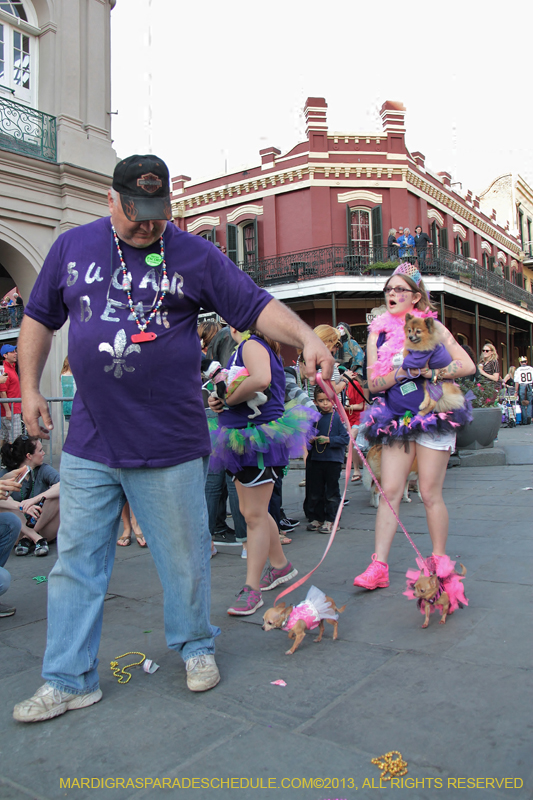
(397,290)
(485,351)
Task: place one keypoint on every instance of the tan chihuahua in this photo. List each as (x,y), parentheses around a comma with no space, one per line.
(307,615)
(427,592)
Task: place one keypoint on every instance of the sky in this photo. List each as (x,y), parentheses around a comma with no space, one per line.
(207,85)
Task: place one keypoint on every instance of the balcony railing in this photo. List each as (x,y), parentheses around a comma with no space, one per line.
(324,262)
(28,131)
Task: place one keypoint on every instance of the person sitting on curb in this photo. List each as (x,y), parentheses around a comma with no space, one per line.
(10,527)
(41,482)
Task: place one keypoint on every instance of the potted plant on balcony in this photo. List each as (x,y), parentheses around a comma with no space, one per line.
(381,267)
(487,413)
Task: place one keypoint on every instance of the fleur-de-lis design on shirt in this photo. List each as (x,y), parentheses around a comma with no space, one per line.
(119,353)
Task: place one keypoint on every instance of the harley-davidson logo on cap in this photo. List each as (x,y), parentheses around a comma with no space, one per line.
(149,182)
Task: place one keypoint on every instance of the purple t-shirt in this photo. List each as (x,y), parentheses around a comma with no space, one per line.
(138,405)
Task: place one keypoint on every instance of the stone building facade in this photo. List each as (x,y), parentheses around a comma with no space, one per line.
(56,153)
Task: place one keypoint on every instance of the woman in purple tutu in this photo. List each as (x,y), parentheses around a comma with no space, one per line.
(394,419)
(254,448)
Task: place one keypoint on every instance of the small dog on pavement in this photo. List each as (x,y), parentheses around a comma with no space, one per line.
(308,615)
(443,589)
(374,460)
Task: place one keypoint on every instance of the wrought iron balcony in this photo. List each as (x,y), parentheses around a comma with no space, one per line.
(325,262)
(28,131)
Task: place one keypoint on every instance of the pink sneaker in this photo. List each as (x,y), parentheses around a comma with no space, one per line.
(375,576)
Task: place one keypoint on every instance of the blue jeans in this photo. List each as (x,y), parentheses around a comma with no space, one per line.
(10,526)
(169,504)
(213,487)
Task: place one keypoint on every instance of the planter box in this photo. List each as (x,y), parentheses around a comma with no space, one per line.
(482,430)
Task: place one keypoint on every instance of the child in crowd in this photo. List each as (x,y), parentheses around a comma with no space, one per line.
(324,465)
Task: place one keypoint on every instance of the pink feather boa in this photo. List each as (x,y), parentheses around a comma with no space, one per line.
(394,328)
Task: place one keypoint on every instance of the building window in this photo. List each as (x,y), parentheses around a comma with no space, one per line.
(484,260)
(17,50)
(521,226)
(249,244)
(439,236)
(14,7)
(529,243)
(210,235)
(435,234)
(360,231)
(458,246)
(461,338)
(242,243)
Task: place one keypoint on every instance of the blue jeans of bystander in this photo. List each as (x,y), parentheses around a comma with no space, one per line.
(10,526)
(169,504)
(213,487)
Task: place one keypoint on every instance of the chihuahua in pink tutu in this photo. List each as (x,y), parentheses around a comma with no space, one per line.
(307,615)
(443,589)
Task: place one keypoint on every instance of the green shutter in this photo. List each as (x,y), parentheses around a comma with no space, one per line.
(213,235)
(444,238)
(231,242)
(491,263)
(377,239)
(466,249)
(349,229)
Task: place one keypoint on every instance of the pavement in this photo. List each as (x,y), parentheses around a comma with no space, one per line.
(454,700)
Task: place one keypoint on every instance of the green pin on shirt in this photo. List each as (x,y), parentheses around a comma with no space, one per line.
(153,259)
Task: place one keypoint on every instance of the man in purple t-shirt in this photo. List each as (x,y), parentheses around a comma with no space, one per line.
(131,286)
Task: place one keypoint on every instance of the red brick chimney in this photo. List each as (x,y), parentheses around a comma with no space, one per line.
(420,159)
(178,183)
(317,124)
(268,156)
(446,178)
(393,117)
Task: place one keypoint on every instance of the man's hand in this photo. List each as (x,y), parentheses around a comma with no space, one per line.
(34,406)
(317,356)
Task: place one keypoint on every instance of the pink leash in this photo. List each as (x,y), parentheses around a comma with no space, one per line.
(330,392)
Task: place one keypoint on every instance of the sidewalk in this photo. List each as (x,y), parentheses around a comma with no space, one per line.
(455,700)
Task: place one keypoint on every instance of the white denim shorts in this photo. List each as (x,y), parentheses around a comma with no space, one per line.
(437,441)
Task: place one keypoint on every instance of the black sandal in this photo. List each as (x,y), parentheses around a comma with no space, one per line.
(41,548)
(24,546)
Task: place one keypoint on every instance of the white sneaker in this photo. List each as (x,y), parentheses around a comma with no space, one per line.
(202,673)
(49,702)
(244,553)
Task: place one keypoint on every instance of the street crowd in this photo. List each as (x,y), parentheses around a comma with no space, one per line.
(203,415)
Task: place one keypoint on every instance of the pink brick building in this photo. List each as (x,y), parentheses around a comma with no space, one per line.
(312,225)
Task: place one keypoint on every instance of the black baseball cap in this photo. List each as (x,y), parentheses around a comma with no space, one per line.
(143,183)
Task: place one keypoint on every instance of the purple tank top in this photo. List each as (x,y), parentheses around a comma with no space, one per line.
(238,416)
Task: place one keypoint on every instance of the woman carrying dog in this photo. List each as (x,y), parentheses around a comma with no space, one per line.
(394,418)
(255,454)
